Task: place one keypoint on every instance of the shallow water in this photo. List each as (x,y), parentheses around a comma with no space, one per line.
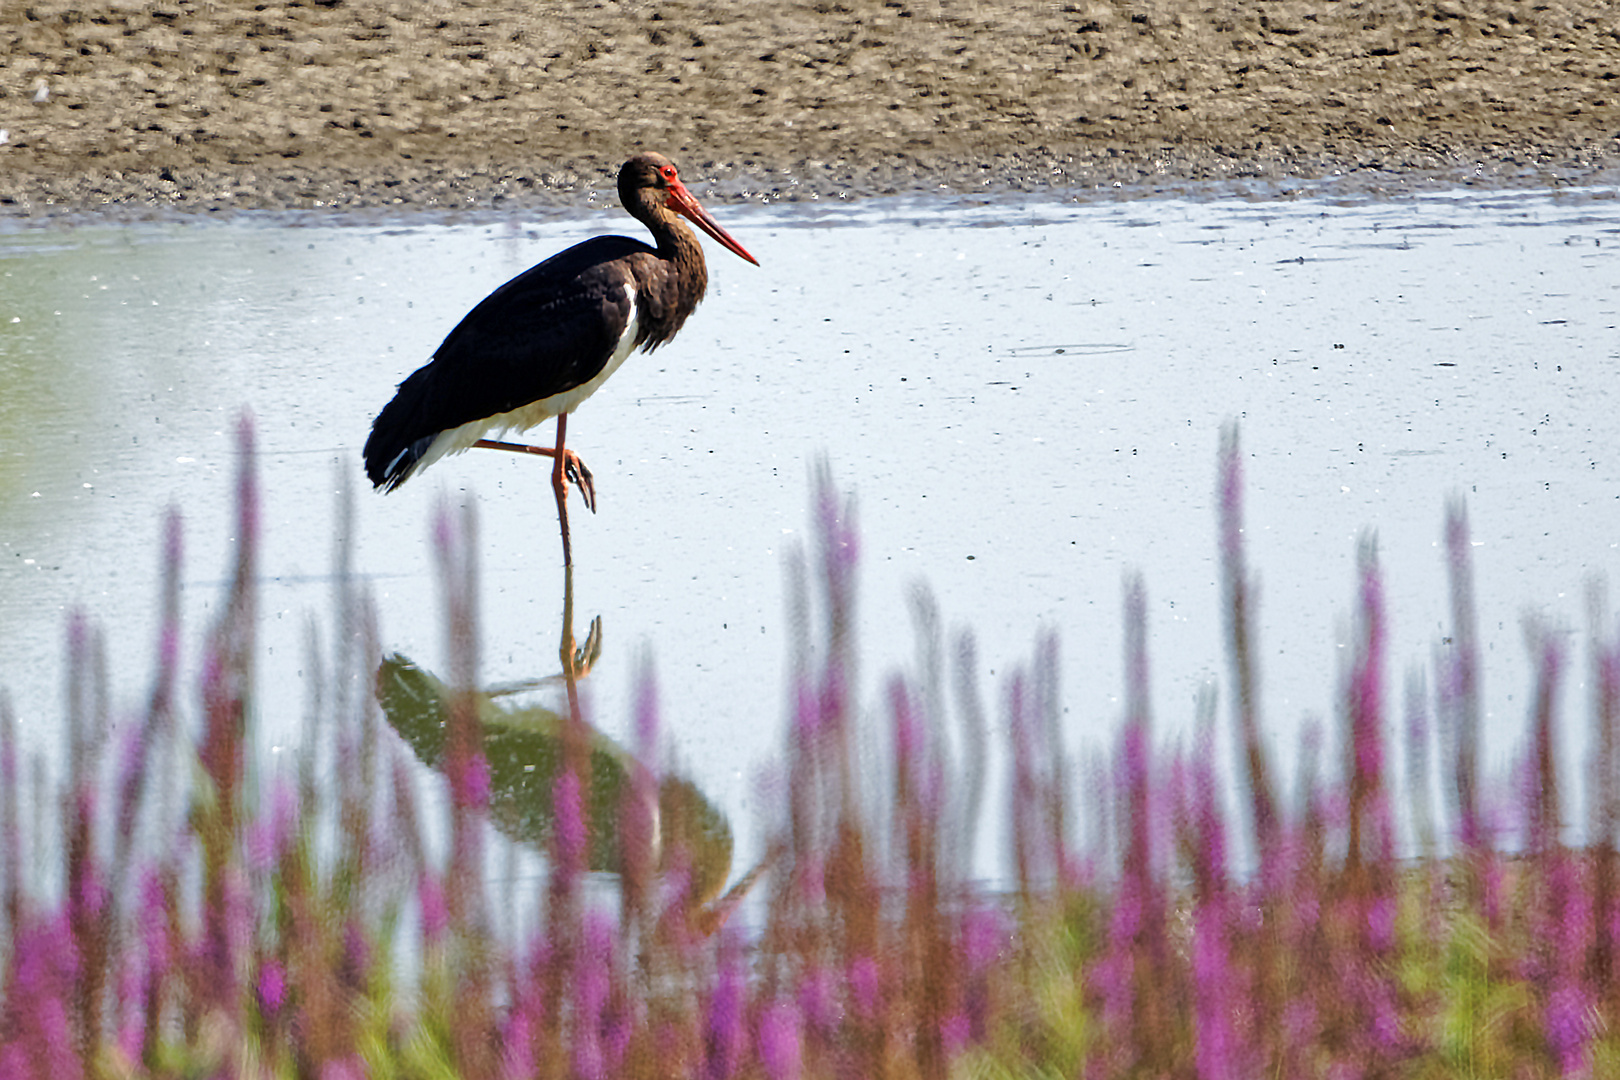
(1025,399)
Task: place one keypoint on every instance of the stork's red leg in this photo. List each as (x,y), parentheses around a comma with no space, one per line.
(573,466)
(559,484)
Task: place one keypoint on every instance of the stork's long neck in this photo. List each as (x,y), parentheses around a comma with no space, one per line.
(679,247)
(669,288)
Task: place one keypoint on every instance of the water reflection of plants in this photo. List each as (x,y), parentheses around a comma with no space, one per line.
(235,935)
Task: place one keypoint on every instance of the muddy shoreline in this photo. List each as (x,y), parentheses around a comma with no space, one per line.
(130,107)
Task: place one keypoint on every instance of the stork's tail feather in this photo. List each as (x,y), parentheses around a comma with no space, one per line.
(392,453)
(388,473)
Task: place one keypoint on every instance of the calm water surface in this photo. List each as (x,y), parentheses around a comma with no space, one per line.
(1024,398)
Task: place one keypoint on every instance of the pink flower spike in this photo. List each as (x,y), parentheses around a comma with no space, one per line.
(435,912)
(724,1033)
(863,985)
(818,1001)
(984,937)
(778,1042)
(570,825)
(1569,1027)
(272,987)
(349,1068)
(955,1031)
(475,787)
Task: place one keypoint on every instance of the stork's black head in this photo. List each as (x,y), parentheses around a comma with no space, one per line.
(646,172)
(651,189)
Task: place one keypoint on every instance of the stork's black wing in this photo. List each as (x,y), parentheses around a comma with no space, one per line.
(548,330)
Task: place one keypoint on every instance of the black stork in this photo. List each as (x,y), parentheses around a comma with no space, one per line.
(548,339)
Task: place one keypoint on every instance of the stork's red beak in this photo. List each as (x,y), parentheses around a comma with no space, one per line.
(681,201)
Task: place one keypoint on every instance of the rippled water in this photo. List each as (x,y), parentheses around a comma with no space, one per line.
(1025,398)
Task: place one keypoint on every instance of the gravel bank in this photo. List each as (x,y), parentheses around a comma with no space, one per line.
(148,106)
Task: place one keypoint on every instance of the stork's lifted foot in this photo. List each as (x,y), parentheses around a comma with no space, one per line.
(573,466)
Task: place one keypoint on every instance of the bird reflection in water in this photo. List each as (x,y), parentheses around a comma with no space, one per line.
(528,746)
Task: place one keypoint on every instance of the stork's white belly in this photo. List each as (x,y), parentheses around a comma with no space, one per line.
(455,440)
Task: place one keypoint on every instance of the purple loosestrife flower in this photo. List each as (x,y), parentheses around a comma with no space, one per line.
(810,876)
(530,997)
(865,990)
(1605,799)
(153,924)
(1299,1023)
(619,1023)
(236,924)
(1460,696)
(676,916)
(638,809)
(169,631)
(1055,769)
(89,896)
(272,988)
(1492,888)
(646,724)
(586,1049)
(516,1045)
(834,702)
(44,974)
(1572,919)
(1417,762)
(805,754)
(1216,1052)
(1543,802)
(908,735)
(356,951)
(839,557)
(955,1033)
(1386,1041)
(475,782)
(267,835)
(1238,604)
(247,495)
(569,833)
(778,1041)
(1381,923)
(1135,749)
(1563,933)
(590,987)
(985,936)
(840,549)
(723,1029)
(1210,831)
(130,1023)
(806,715)
(345,1068)
(818,1001)
(131,769)
(80,643)
(1025,797)
(53,1041)
(1569,1025)
(1112,975)
(435,912)
(1368,839)
(975,747)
